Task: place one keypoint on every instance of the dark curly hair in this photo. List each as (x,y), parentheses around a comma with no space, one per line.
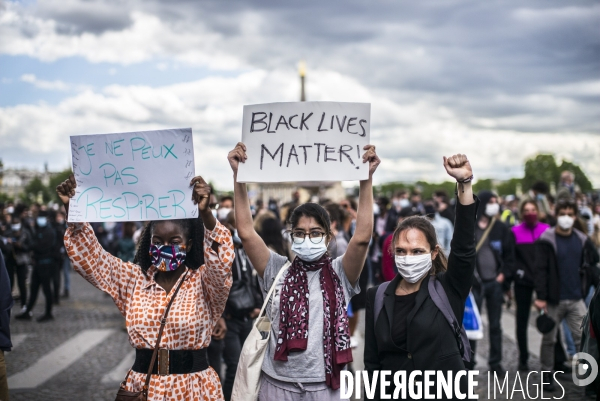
(193,229)
(315,211)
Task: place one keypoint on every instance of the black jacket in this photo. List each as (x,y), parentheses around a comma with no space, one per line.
(501,242)
(547,279)
(44,245)
(6,303)
(431,342)
(243,274)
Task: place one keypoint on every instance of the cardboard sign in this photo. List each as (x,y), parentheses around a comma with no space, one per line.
(133,176)
(305,141)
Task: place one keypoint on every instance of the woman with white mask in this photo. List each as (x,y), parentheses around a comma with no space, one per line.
(310,338)
(405,330)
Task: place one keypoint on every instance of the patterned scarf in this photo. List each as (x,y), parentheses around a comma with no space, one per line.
(293,320)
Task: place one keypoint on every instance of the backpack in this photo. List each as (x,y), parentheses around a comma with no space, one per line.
(440,299)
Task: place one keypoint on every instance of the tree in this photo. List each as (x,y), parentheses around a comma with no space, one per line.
(580,177)
(34,190)
(544,168)
(54,181)
(483,184)
(508,187)
(540,168)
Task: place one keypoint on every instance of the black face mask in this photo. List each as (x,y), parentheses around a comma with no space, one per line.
(429,209)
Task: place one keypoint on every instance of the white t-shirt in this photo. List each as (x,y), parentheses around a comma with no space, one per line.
(306,366)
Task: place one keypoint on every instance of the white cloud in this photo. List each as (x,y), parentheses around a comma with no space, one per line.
(147,37)
(500,81)
(411,137)
(56,85)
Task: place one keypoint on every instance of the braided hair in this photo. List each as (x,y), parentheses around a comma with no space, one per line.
(193,229)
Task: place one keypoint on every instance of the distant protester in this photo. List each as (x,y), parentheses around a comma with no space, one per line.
(44,246)
(525,236)
(494,264)
(565,270)
(6,303)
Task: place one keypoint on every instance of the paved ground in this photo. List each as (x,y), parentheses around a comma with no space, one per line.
(84,353)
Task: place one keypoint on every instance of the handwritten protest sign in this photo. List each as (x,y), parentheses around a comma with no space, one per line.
(133,176)
(305,141)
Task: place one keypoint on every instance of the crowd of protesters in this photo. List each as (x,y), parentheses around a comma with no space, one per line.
(530,250)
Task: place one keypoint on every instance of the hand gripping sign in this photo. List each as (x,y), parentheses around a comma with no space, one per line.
(133,176)
(305,141)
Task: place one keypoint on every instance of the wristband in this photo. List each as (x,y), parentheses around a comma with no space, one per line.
(468,179)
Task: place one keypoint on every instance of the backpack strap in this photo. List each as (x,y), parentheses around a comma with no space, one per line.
(440,299)
(379,300)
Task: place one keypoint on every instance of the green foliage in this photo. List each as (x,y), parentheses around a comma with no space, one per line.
(427,189)
(544,168)
(36,191)
(4,198)
(508,187)
(540,168)
(57,179)
(483,184)
(580,177)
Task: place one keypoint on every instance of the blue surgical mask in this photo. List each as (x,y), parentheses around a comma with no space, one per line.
(42,221)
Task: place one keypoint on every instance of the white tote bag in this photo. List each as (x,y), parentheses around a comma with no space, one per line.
(247,377)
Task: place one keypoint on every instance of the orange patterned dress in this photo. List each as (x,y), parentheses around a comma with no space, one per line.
(194,313)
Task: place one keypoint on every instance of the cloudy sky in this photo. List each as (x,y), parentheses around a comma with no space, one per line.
(498,80)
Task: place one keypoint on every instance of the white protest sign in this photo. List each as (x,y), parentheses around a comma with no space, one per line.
(305,141)
(133,176)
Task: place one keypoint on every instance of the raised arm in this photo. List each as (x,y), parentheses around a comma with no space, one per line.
(255,247)
(461,262)
(103,270)
(216,276)
(356,254)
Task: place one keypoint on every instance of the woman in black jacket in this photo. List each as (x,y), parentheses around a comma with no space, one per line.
(410,333)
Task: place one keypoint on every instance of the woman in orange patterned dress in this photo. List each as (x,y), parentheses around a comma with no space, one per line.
(199,251)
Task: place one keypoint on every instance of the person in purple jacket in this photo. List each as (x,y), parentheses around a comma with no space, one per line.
(525,235)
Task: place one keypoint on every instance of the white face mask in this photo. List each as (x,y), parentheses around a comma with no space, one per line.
(376,209)
(492,209)
(223,212)
(565,222)
(413,268)
(309,252)
(404,203)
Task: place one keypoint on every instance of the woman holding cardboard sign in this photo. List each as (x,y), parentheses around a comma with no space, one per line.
(179,282)
(310,339)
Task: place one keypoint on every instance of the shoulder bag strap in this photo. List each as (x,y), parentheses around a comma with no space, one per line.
(268,297)
(378,304)
(485,235)
(440,299)
(160,332)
